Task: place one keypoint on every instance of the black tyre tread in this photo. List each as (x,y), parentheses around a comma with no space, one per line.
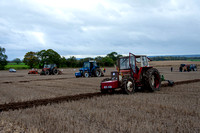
(124,82)
(148,75)
(99,72)
(84,74)
(55,71)
(47,72)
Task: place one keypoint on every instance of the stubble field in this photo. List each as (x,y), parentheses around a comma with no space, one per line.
(172,109)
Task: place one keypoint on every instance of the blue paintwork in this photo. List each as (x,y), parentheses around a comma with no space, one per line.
(86,67)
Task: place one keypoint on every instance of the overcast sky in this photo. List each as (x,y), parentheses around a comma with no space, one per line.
(97,27)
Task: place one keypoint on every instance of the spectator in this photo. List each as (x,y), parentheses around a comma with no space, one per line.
(104,70)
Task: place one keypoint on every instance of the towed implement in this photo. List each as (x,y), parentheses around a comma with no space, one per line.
(33,71)
(133,72)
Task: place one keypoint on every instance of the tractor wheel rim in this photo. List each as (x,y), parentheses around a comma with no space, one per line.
(129,86)
(97,73)
(153,80)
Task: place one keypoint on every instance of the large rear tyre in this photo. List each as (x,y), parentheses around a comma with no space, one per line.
(97,72)
(86,74)
(128,86)
(152,80)
(55,71)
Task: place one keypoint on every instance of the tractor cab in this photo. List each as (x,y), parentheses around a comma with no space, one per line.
(132,72)
(132,65)
(90,65)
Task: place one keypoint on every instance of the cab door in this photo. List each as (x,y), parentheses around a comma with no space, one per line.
(132,63)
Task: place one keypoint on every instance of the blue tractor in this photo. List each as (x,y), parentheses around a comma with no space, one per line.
(89,68)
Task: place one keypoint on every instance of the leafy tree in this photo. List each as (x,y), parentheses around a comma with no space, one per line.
(99,60)
(63,62)
(107,61)
(72,62)
(31,59)
(3,58)
(114,56)
(49,57)
(17,60)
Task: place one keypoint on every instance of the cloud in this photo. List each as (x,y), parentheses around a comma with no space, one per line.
(98,27)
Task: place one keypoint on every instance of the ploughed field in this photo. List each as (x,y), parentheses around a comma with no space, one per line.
(173,109)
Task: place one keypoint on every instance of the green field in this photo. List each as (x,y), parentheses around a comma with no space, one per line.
(193,59)
(16,66)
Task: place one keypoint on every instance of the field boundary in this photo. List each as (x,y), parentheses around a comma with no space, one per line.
(43,102)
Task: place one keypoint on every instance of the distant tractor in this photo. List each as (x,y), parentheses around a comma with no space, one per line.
(50,69)
(187,67)
(193,67)
(133,72)
(89,68)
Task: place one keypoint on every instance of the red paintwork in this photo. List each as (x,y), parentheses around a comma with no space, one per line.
(137,76)
(44,69)
(33,72)
(157,83)
(112,84)
(125,71)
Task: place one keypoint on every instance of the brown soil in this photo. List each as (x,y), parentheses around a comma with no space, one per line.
(40,102)
(172,109)
(20,86)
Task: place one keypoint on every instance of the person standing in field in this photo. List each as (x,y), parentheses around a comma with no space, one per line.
(104,70)
(171,69)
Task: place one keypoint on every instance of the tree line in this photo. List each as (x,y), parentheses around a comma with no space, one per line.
(38,59)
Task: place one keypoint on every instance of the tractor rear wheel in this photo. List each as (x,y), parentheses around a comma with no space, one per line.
(97,72)
(152,80)
(55,71)
(128,86)
(86,74)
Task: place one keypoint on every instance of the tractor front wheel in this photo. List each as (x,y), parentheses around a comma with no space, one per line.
(152,79)
(128,86)
(86,74)
(47,72)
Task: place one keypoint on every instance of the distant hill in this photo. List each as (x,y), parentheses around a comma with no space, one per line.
(197,55)
(175,57)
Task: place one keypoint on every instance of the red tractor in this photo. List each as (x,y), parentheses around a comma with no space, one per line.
(133,73)
(50,69)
